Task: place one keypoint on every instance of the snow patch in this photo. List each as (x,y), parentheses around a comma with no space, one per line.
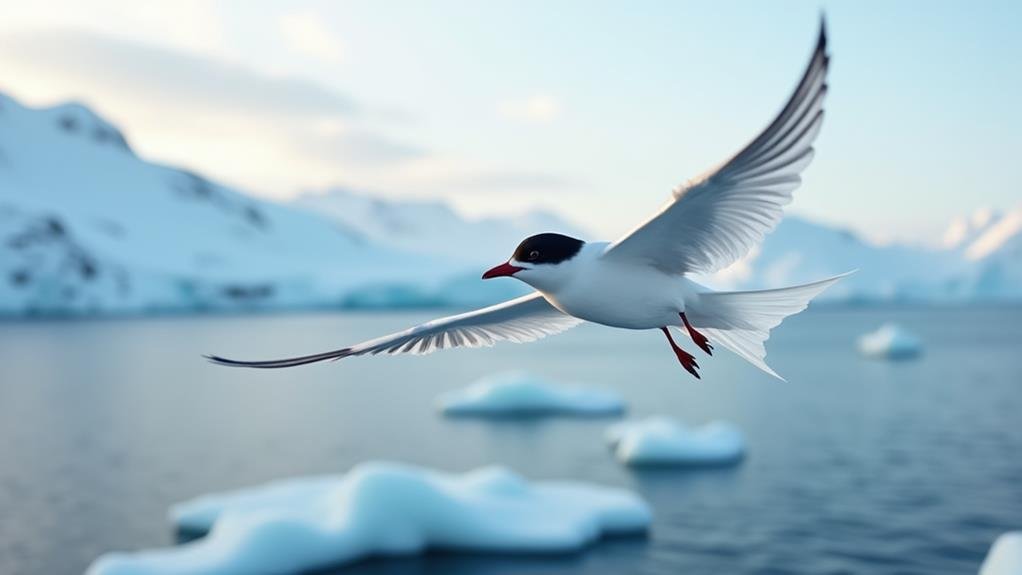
(1005,556)
(996,235)
(891,341)
(522,393)
(664,441)
(382,509)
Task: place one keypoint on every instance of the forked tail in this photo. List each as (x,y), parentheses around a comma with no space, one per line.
(741,320)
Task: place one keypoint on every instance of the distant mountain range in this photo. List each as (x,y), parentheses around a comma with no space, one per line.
(979,259)
(432,227)
(88,227)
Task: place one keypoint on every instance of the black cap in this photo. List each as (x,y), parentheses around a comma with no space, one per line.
(547,249)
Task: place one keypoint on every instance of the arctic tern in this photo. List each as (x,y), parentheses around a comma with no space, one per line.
(638,282)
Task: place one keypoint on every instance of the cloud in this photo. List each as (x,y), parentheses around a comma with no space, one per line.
(511,180)
(334,141)
(538,108)
(163,76)
(273,135)
(192,24)
(305,33)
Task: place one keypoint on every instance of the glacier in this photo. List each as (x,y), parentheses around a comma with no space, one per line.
(521,393)
(382,508)
(665,441)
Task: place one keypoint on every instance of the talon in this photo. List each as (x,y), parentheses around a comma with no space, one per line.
(687,360)
(698,338)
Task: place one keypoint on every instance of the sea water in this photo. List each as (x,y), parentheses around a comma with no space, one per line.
(854,465)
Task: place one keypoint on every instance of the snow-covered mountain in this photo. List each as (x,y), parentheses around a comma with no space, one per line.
(432,226)
(979,259)
(800,251)
(86,226)
(980,256)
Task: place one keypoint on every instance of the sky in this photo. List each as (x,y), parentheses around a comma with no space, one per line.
(594,109)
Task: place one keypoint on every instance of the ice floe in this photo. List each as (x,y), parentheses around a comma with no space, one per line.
(664,441)
(1005,556)
(382,509)
(891,341)
(521,393)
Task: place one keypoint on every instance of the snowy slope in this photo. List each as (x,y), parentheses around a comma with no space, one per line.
(87,226)
(800,251)
(979,259)
(432,226)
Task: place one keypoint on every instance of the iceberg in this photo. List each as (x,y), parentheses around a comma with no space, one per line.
(1005,556)
(381,508)
(891,341)
(520,393)
(664,441)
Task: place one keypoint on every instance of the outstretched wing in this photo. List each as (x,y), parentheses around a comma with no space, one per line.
(519,320)
(716,219)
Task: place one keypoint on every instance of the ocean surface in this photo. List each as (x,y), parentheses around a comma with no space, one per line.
(854,465)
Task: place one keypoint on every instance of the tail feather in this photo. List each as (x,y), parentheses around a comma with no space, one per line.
(741,321)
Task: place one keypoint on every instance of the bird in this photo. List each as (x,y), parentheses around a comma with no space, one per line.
(640,281)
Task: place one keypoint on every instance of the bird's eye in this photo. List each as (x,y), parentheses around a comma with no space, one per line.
(534,254)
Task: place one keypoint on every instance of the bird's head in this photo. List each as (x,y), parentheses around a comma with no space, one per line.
(542,261)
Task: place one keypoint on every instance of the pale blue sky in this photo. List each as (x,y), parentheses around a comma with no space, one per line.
(595,109)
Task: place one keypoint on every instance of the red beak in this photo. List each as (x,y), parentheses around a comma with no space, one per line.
(504,269)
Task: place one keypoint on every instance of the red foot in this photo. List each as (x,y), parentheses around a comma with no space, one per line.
(698,338)
(688,361)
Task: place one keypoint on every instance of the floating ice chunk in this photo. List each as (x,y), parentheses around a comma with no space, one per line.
(521,393)
(1005,556)
(891,341)
(382,509)
(663,441)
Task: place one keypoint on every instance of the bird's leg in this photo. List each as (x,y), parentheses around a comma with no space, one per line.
(698,338)
(688,361)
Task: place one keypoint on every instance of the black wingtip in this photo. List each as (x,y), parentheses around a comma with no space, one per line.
(822,41)
(217,360)
(278,363)
(220,360)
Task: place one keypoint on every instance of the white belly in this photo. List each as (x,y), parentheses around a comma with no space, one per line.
(626,296)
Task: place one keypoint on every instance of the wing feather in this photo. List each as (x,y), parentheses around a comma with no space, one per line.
(714,220)
(519,320)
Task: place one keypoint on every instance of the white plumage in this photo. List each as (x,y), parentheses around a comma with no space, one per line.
(638,281)
(520,320)
(716,219)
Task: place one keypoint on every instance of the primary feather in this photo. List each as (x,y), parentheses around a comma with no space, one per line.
(519,320)
(714,220)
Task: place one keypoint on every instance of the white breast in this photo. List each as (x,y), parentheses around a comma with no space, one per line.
(621,294)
